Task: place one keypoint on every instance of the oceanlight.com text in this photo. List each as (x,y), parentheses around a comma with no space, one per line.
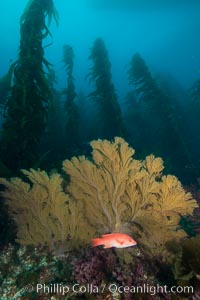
(150,289)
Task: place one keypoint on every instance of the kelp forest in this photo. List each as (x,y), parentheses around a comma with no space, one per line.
(77,166)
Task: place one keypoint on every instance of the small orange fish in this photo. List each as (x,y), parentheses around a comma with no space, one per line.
(117,240)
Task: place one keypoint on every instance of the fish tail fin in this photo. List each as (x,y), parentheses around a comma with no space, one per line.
(96,242)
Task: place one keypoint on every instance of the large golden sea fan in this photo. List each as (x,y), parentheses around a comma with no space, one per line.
(123,194)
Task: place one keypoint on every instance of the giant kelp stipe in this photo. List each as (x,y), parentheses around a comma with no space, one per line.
(161,126)
(100,140)
(27,106)
(110,118)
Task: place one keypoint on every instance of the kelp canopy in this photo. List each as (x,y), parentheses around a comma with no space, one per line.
(27,106)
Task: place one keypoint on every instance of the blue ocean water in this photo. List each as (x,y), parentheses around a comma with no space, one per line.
(165,33)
